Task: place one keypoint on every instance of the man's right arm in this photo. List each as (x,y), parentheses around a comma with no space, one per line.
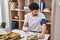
(25,25)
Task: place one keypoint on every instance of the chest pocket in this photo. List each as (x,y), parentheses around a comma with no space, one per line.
(33,21)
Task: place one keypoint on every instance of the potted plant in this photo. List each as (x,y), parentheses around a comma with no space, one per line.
(3,24)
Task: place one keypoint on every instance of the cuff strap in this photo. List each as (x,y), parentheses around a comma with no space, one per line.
(25,28)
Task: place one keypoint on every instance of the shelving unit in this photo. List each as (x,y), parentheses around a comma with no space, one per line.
(16,9)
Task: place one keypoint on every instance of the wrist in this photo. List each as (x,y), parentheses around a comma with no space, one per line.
(43,32)
(25,28)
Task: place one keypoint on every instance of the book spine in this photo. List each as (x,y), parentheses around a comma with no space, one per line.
(42,6)
(14,24)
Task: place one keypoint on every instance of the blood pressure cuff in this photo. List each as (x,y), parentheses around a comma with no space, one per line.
(43,21)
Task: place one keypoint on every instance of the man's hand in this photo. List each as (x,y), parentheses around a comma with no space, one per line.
(41,36)
(25,27)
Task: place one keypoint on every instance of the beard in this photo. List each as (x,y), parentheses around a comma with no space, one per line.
(34,14)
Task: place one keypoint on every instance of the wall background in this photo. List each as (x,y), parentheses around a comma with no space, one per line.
(5,13)
(0,13)
(57,22)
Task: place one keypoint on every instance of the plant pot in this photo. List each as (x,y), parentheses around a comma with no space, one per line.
(3,26)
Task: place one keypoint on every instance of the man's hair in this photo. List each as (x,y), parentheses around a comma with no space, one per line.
(33,6)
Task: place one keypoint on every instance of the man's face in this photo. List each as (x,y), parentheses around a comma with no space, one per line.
(35,12)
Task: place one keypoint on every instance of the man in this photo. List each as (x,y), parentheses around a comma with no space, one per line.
(35,21)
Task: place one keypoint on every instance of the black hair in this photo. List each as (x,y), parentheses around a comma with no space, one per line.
(34,6)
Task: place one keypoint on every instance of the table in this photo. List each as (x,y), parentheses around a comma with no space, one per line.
(7,29)
(25,34)
(2,31)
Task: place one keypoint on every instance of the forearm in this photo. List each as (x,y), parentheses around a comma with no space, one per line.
(43,28)
(25,26)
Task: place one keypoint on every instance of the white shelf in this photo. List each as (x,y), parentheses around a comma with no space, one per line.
(20,10)
(17,20)
(24,10)
(16,9)
(21,20)
(46,11)
(14,20)
(49,23)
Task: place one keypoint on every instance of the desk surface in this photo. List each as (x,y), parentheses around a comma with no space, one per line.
(25,34)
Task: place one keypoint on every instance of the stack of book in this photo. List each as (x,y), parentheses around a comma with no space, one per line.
(10,36)
(13,36)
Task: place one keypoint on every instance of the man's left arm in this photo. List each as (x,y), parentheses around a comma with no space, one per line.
(43,23)
(43,28)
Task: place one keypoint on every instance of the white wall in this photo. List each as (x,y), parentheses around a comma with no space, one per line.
(5,13)
(6,9)
(57,22)
(0,13)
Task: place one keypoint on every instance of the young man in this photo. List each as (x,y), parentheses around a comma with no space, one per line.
(35,21)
